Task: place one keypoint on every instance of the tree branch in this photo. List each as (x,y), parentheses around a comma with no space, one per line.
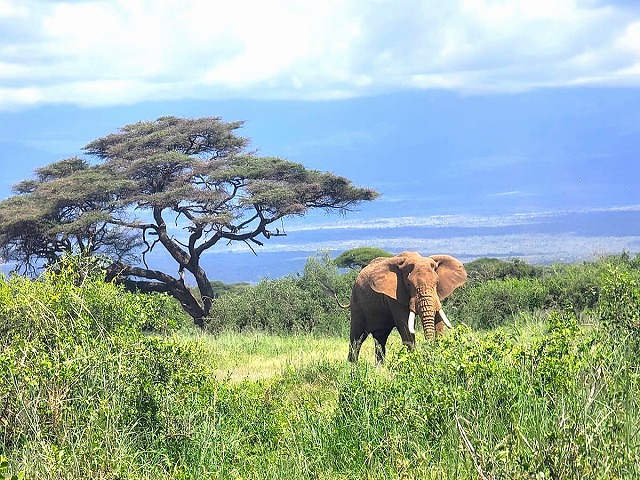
(178,254)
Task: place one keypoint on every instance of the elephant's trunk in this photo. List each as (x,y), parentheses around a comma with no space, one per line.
(428,304)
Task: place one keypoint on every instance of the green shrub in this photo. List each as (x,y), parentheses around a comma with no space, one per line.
(579,286)
(220,288)
(574,286)
(272,305)
(163,314)
(485,269)
(85,396)
(79,377)
(490,304)
(624,259)
(526,410)
(319,273)
(4,467)
(619,303)
(290,304)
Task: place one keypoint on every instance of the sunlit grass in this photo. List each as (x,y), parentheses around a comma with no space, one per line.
(259,355)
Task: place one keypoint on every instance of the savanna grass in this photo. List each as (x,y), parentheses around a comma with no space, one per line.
(90,389)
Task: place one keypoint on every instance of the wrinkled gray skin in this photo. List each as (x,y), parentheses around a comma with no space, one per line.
(388,289)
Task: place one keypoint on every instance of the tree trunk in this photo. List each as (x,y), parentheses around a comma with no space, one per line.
(204,287)
(161,282)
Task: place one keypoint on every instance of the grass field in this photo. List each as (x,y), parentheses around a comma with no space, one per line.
(99,383)
(259,355)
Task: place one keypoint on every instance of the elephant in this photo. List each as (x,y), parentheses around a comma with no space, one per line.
(391,291)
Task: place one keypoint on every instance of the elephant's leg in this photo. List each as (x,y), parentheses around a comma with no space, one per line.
(354,345)
(380,337)
(358,332)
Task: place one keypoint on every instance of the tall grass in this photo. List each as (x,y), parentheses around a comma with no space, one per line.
(96,382)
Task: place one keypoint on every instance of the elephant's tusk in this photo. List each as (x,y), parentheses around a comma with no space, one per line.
(412,322)
(444,318)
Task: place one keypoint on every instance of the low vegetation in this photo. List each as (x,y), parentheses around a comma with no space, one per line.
(539,379)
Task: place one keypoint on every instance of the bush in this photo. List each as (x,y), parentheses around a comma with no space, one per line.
(84,393)
(579,286)
(292,304)
(280,306)
(489,304)
(485,269)
(619,303)
(220,288)
(574,286)
(79,377)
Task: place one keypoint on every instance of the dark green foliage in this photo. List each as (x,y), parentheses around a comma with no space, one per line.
(579,286)
(498,291)
(86,393)
(4,466)
(359,257)
(272,305)
(74,358)
(220,288)
(290,304)
(489,304)
(484,402)
(484,269)
(574,286)
(480,303)
(619,305)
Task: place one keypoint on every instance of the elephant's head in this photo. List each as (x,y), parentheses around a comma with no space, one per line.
(421,283)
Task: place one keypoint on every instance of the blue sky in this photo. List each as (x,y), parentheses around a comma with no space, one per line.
(477,109)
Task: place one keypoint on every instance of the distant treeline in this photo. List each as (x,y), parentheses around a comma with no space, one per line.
(496,291)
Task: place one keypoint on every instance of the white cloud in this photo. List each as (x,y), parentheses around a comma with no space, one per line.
(450,221)
(507,194)
(121,51)
(534,248)
(12,9)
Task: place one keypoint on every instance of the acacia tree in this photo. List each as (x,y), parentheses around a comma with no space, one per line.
(359,257)
(182,184)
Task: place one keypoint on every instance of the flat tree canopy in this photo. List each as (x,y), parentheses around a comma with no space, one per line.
(359,257)
(184,185)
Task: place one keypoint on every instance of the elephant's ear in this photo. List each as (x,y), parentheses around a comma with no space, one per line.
(451,274)
(386,278)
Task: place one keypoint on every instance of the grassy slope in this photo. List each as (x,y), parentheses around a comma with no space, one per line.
(260,356)
(504,404)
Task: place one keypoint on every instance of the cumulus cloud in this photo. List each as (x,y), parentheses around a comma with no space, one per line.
(108,52)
